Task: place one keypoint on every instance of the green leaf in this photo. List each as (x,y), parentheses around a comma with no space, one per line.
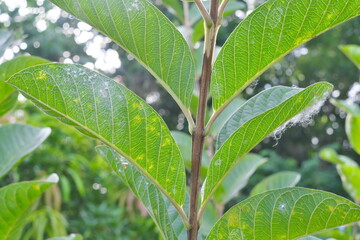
(16,201)
(256,129)
(350,177)
(225,115)
(142,30)
(16,141)
(158,207)
(352,127)
(352,52)
(255,106)
(176,6)
(238,178)
(8,98)
(108,111)
(269,33)
(349,108)
(275,181)
(287,213)
(329,154)
(8,95)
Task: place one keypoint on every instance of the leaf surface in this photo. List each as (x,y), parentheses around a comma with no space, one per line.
(8,95)
(16,201)
(331,155)
(275,181)
(352,52)
(269,33)
(16,141)
(287,213)
(142,30)
(108,111)
(352,128)
(238,177)
(255,106)
(158,207)
(350,177)
(296,108)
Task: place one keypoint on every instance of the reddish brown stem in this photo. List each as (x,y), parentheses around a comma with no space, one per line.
(198,133)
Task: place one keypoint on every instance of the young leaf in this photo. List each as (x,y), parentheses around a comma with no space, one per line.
(156,204)
(269,33)
(176,6)
(8,95)
(275,181)
(256,129)
(352,128)
(238,177)
(108,111)
(142,30)
(287,213)
(255,106)
(16,201)
(330,155)
(353,53)
(350,177)
(16,141)
(349,108)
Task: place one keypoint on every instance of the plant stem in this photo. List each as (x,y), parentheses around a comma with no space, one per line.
(198,133)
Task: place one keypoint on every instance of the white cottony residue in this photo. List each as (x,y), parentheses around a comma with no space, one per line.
(354,94)
(218,162)
(304,118)
(135,5)
(104,92)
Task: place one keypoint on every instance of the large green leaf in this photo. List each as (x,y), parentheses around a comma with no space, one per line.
(256,129)
(352,128)
(158,207)
(275,181)
(255,106)
(16,141)
(350,177)
(16,201)
(8,95)
(108,111)
(287,213)
(353,53)
(269,33)
(142,30)
(238,178)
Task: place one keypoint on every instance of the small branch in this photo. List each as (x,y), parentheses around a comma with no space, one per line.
(222,7)
(204,13)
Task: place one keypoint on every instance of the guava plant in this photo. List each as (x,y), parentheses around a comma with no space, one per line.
(140,147)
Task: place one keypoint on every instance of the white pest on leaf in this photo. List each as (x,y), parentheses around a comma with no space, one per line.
(304,118)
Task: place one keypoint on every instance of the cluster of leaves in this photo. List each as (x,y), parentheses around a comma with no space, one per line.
(142,150)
